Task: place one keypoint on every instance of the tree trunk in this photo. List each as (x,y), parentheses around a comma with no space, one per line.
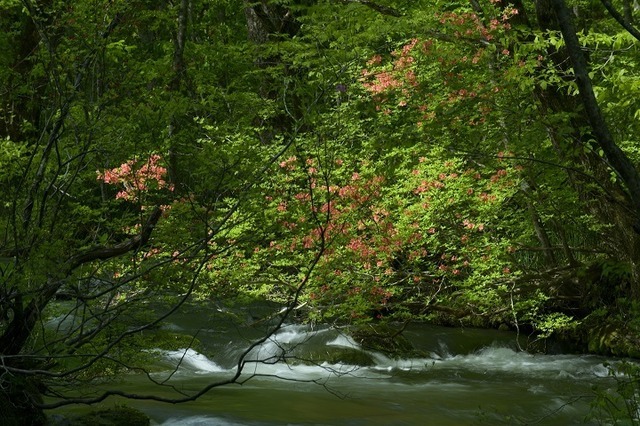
(619,204)
(177,83)
(616,157)
(543,237)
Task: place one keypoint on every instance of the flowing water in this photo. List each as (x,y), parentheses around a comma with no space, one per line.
(303,376)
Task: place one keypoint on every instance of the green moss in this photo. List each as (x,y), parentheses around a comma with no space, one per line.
(117,416)
(165,340)
(338,355)
(609,335)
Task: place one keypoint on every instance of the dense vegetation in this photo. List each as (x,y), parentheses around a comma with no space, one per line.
(355,161)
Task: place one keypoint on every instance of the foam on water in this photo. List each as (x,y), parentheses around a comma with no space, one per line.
(501,359)
(408,364)
(306,373)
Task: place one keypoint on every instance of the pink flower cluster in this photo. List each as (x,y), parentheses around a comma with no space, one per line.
(136,179)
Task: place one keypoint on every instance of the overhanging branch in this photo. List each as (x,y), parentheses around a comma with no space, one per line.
(621,20)
(103,253)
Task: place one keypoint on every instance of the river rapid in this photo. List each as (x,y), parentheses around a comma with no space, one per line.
(302,376)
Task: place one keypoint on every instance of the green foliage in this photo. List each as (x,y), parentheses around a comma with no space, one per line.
(619,405)
(555,322)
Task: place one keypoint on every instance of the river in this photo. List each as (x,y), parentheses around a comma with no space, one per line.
(464,377)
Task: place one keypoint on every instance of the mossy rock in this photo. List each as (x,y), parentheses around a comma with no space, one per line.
(165,340)
(335,355)
(387,340)
(117,416)
(614,339)
(604,334)
(351,357)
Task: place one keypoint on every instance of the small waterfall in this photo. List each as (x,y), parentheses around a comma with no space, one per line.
(281,343)
(190,360)
(344,341)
